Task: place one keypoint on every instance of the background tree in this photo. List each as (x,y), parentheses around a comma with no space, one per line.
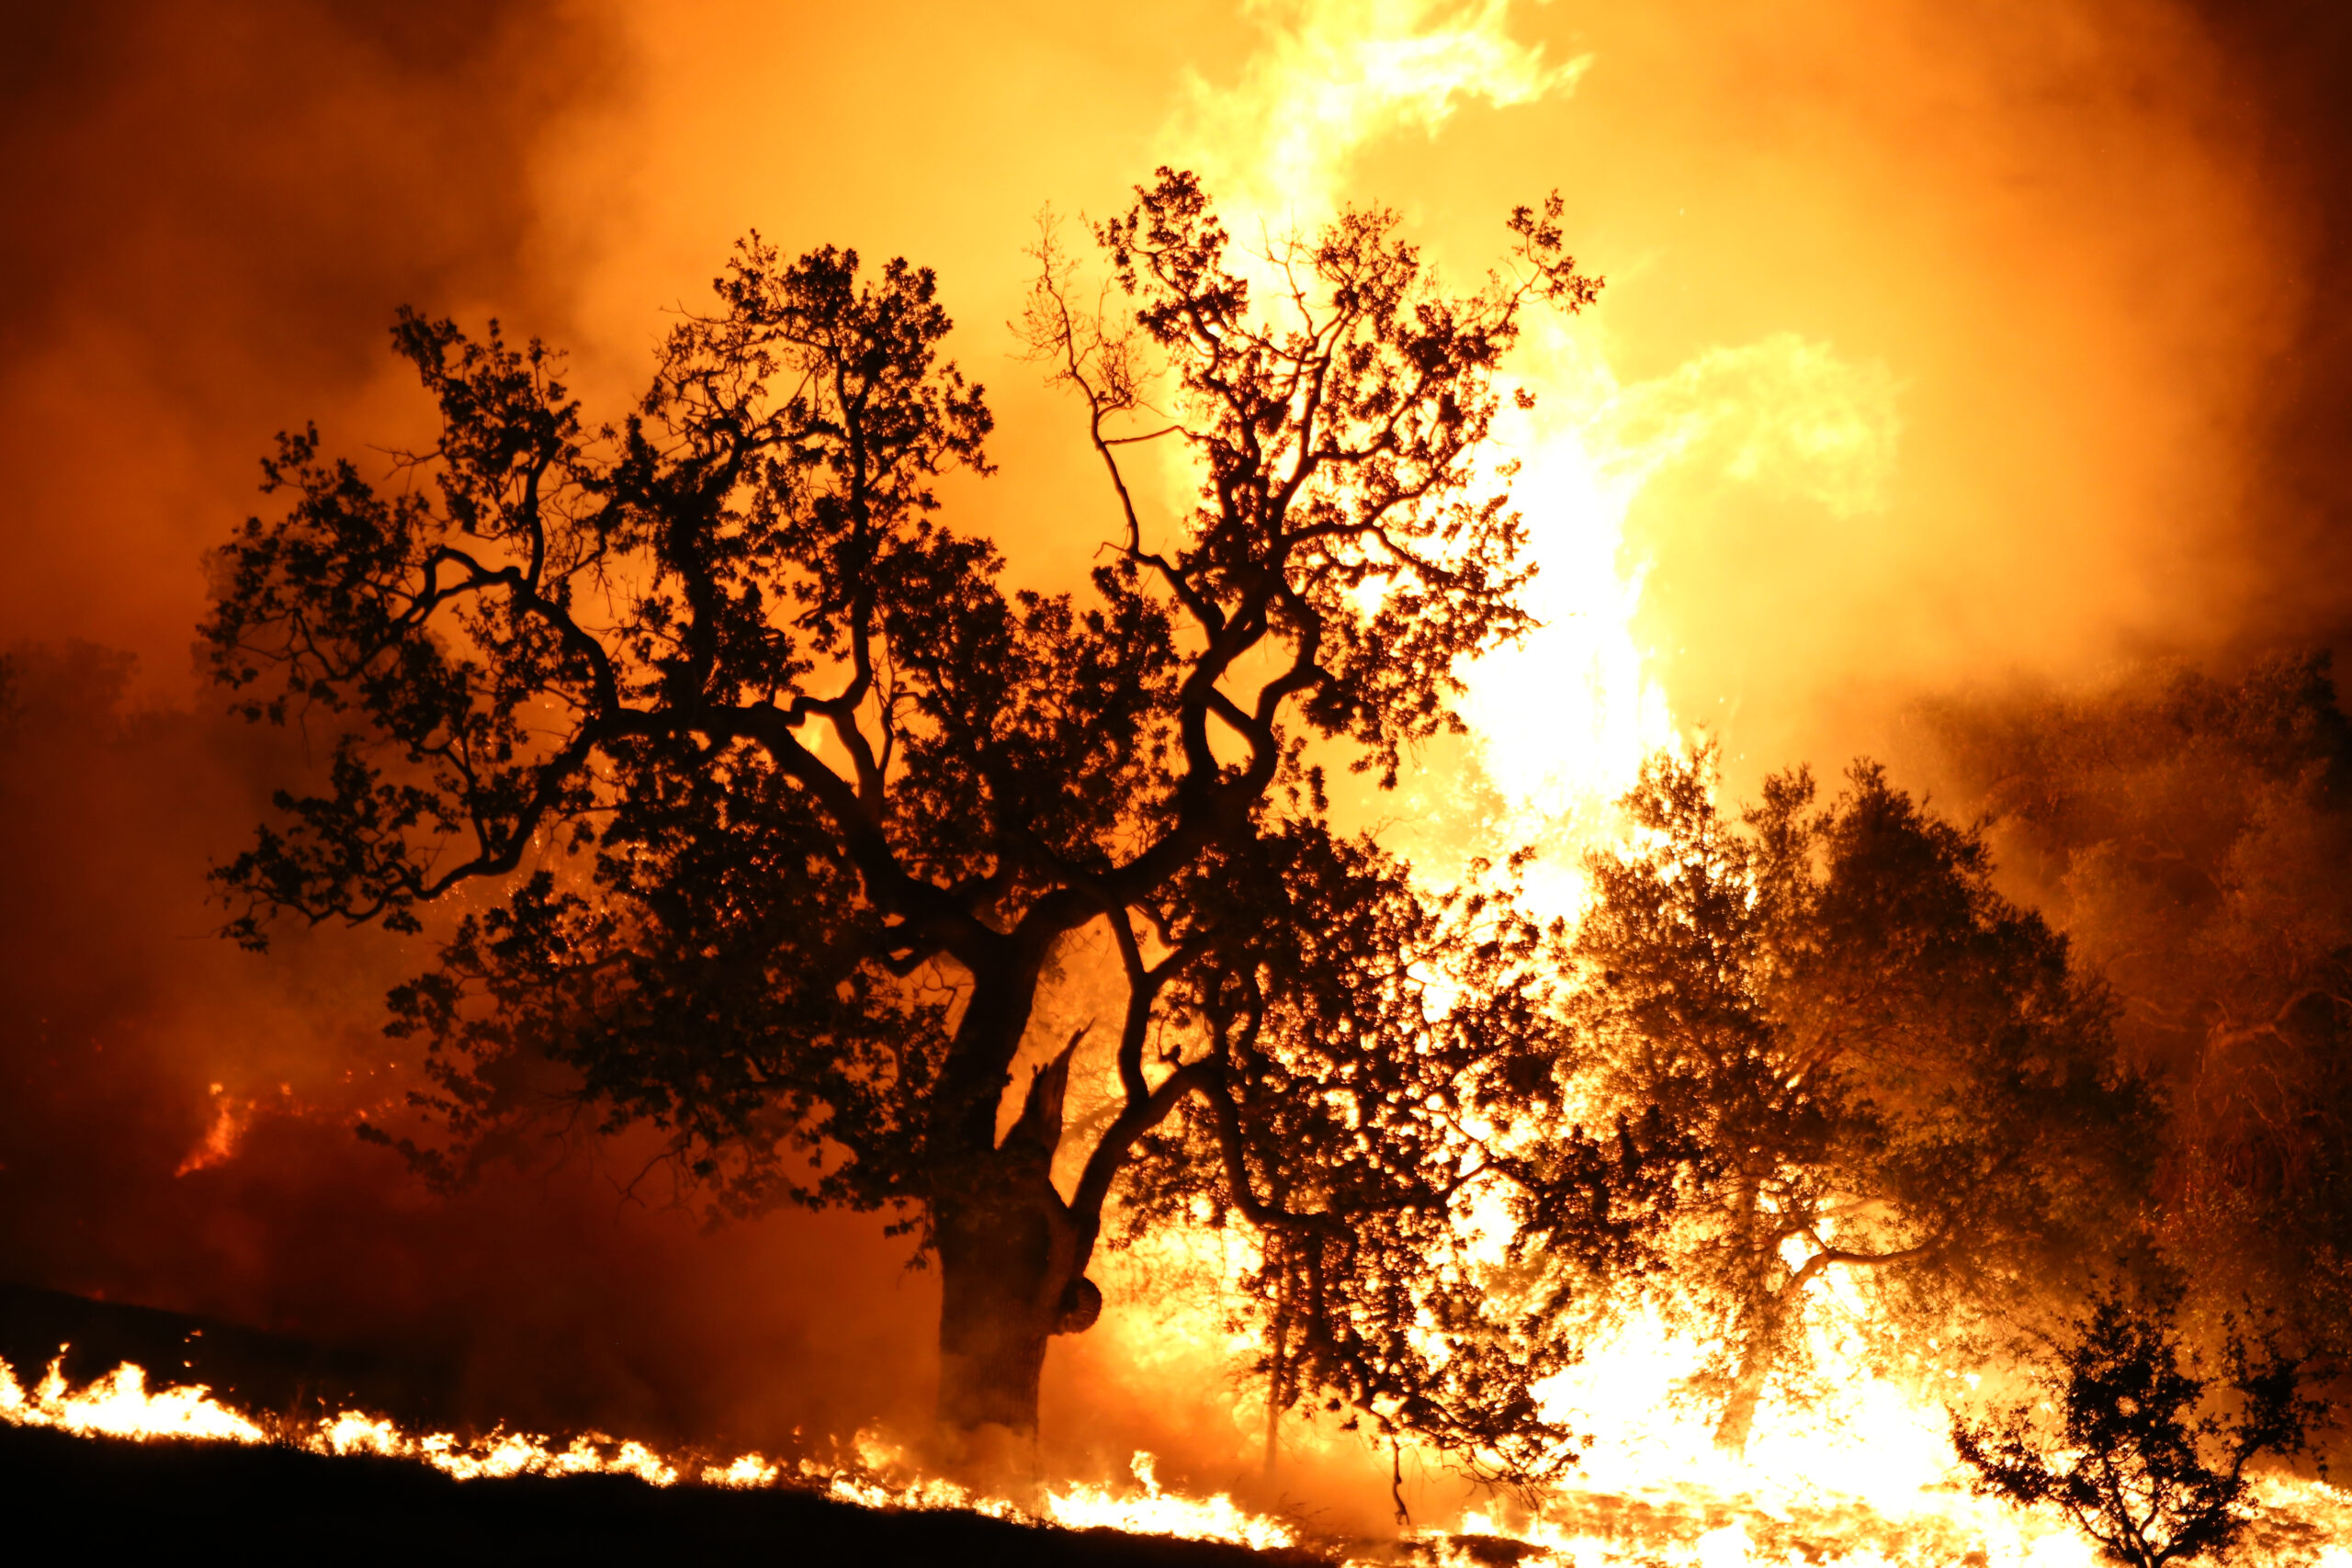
(1885,1068)
(2140,1461)
(778,808)
(2189,834)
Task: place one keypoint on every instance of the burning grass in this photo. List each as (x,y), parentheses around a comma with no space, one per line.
(179,1451)
(186,1420)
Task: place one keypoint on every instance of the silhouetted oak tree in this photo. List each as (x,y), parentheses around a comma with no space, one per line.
(2140,1461)
(771,806)
(1885,1068)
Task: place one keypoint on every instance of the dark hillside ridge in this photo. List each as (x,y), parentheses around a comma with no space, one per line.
(192,1500)
(266,1504)
(249,1368)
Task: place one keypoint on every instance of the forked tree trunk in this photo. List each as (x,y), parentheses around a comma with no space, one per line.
(1012,1265)
(1006,1266)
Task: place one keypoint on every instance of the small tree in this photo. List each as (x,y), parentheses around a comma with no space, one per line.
(2137,1461)
(783,809)
(1886,1068)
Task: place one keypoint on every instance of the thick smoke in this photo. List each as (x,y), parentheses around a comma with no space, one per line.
(213,212)
(2054,231)
(2291,62)
(2095,248)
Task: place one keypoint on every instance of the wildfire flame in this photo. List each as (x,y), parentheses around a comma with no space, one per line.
(1861,1475)
(119,1405)
(1154,1512)
(1561,724)
(1643,1499)
(1333,74)
(1563,721)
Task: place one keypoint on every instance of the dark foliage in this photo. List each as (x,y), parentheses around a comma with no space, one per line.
(2138,1459)
(771,809)
(1885,1067)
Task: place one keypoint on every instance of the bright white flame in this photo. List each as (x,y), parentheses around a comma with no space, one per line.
(1334,74)
(1563,719)
(119,1406)
(748,1472)
(1864,1479)
(1151,1511)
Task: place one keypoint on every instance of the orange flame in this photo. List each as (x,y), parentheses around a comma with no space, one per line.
(119,1405)
(1561,724)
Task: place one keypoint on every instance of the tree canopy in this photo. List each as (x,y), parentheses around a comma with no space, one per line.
(2134,1450)
(770,806)
(1883,1067)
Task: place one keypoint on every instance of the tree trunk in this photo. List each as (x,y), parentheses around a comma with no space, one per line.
(1006,1267)
(1760,1350)
(1011,1264)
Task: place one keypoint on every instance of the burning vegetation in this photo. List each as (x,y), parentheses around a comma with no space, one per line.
(1267,940)
(774,821)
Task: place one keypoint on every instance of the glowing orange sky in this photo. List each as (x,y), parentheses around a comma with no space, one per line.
(2042,226)
(2065,273)
(2064,255)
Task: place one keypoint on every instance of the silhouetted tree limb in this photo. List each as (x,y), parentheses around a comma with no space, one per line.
(2138,1459)
(780,808)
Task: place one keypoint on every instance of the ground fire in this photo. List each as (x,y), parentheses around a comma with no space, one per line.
(1387,904)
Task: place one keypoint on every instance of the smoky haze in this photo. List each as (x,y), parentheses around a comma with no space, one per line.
(2295,61)
(2080,259)
(212,213)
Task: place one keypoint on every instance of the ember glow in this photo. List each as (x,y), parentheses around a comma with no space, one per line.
(119,1405)
(1864,1482)
(1939,348)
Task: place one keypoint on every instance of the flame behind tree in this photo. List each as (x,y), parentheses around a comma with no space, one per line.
(788,805)
(1888,1070)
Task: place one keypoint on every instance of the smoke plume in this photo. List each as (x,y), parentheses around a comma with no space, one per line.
(1942,345)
